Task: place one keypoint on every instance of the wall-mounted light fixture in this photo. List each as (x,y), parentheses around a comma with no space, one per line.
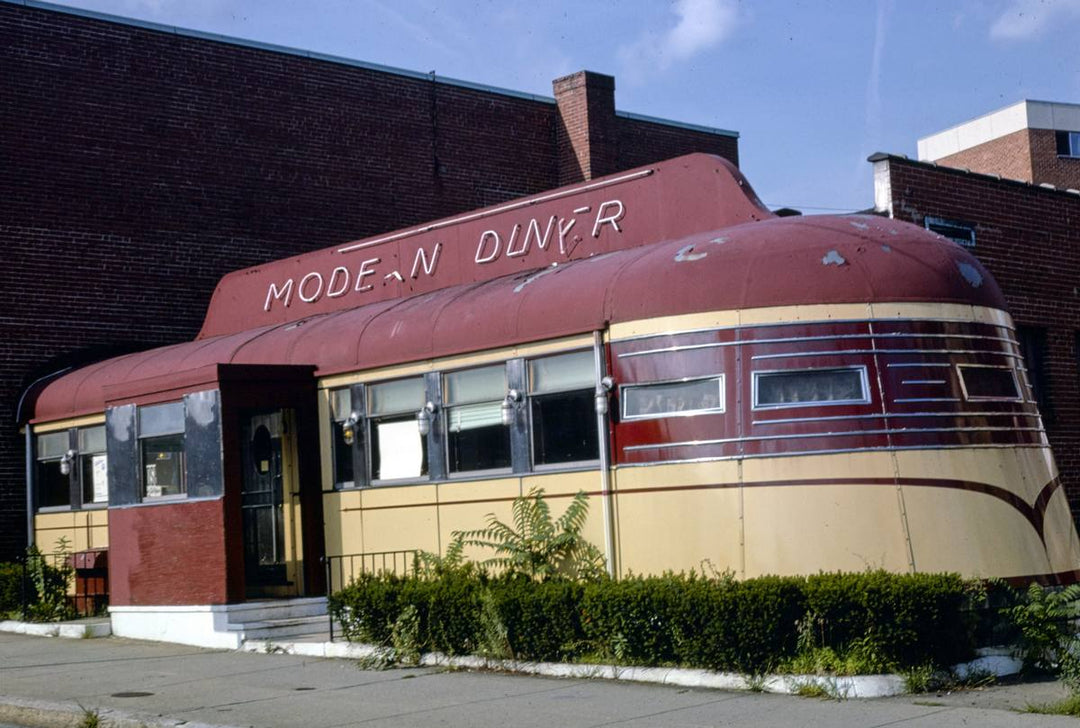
(348,428)
(424,417)
(66,461)
(510,402)
(601,399)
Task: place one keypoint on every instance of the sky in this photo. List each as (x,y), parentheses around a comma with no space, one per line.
(813,87)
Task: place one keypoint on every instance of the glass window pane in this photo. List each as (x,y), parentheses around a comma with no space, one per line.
(397,449)
(92,439)
(476,385)
(163,466)
(161,419)
(989,383)
(472,416)
(808,386)
(563,372)
(340,403)
(52,445)
(53,487)
(404,395)
(343,456)
(479,448)
(564,428)
(673,398)
(94,472)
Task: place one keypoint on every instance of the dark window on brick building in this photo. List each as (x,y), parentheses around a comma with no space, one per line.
(961,233)
(1068,143)
(1033,346)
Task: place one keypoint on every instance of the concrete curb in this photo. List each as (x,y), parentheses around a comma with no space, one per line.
(46,714)
(995,662)
(69,630)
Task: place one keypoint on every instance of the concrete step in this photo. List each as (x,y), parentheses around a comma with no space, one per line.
(279,629)
(276,609)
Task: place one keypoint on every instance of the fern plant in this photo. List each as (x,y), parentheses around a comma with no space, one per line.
(537,545)
(1045,618)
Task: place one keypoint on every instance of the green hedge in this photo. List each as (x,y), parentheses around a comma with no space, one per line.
(715,623)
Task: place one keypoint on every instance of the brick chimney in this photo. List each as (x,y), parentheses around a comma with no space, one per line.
(586,135)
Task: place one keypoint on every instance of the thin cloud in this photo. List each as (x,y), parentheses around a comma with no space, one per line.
(699,25)
(1025,19)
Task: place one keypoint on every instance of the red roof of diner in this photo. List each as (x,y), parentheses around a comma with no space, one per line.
(775,262)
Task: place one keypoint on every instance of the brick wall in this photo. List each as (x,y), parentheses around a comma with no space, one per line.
(138,166)
(1029,239)
(1029,155)
(1008,156)
(1047,166)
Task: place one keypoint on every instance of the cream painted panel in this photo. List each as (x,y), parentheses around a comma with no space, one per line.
(1059,533)
(679,530)
(326,458)
(971,533)
(812,528)
(400,518)
(657,476)
(667,324)
(85,529)
(85,421)
(1022,471)
(465,505)
(343,524)
(815,312)
(817,467)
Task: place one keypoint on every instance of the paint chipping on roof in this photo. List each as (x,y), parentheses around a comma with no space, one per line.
(833,258)
(971,274)
(687,254)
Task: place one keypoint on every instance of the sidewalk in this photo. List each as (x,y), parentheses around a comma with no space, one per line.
(47,682)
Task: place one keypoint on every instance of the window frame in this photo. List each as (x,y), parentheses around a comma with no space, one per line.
(369,440)
(77,465)
(39,462)
(721,408)
(444,419)
(141,439)
(336,427)
(864,383)
(976,398)
(941,226)
(530,395)
(1068,144)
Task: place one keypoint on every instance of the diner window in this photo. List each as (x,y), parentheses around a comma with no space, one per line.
(398,450)
(561,408)
(93,465)
(52,483)
(673,399)
(341,409)
(981,382)
(809,387)
(161,450)
(476,438)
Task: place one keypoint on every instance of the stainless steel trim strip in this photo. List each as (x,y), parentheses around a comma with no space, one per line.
(801,436)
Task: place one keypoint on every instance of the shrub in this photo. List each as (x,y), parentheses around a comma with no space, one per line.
(839,623)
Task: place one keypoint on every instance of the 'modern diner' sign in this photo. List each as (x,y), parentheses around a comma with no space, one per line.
(664,202)
(517,242)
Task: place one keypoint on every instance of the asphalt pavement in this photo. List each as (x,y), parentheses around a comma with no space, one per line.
(56,682)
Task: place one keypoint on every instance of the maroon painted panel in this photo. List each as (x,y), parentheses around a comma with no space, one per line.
(915,398)
(167,554)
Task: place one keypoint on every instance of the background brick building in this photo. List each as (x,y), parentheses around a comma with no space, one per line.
(1026,230)
(142,162)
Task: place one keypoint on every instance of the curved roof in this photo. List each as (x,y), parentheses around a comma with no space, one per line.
(775,262)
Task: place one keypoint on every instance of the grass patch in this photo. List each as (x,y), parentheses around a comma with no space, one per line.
(1068,706)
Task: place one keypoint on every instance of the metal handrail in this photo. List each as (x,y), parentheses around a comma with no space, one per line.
(346,567)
